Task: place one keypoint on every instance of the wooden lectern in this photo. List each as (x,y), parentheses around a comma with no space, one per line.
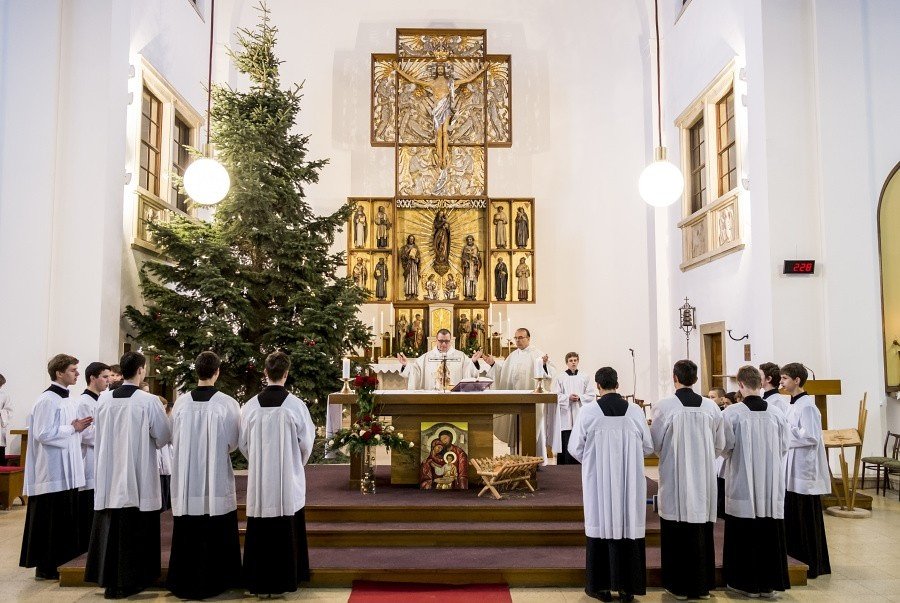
(820,389)
(409,409)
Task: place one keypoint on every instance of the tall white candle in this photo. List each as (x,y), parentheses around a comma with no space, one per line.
(508,328)
(538,367)
(345,368)
(382,323)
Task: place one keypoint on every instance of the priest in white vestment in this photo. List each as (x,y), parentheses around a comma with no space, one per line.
(54,471)
(806,476)
(517,371)
(124,552)
(277,437)
(688,434)
(97,376)
(757,437)
(573,389)
(439,368)
(610,439)
(771,379)
(205,560)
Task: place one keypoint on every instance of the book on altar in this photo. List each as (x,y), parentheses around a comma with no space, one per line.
(472,385)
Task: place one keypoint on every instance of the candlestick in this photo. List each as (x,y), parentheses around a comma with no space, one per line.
(346,389)
(538,385)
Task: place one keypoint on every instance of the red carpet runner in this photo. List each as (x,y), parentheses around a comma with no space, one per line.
(394,592)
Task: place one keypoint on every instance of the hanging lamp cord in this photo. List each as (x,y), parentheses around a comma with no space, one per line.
(658,79)
(212,20)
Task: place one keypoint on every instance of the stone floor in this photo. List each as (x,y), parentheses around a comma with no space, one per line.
(865,561)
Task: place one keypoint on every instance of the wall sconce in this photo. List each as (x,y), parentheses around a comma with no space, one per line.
(688,318)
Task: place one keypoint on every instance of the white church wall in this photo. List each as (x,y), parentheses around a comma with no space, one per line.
(579,142)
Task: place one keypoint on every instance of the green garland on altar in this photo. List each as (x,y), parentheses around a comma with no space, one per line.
(368,431)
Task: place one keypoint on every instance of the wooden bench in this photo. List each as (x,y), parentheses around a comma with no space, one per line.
(12,480)
(507,472)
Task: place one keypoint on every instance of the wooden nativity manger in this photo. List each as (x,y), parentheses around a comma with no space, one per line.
(508,472)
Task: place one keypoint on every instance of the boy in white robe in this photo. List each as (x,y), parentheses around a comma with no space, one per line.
(437,368)
(5,416)
(688,435)
(806,476)
(517,371)
(771,379)
(610,439)
(97,376)
(277,436)
(53,473)
(206,551)
(124,552)
(573,390)
(755,555)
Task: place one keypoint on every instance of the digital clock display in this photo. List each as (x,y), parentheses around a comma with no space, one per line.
(799,266)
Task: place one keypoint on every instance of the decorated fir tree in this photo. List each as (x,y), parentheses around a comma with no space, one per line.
(260,275)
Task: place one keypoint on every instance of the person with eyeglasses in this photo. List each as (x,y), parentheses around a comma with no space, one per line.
(439,368)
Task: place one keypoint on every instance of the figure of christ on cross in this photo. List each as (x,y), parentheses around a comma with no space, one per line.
(442,89)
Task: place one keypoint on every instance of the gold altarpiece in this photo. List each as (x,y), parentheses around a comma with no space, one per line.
(441,250)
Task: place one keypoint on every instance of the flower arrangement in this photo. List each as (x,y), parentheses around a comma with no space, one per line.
(469,343)
(367,431)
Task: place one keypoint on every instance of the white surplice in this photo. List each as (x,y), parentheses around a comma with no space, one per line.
(424,372)
(756,443)
(806,464)
(87,407)
(516,371)
(203,436)
(53,462)
(611,451)
(779,401)
(129,432)
(277,442)
(563,417)
(687,439)
(5,417)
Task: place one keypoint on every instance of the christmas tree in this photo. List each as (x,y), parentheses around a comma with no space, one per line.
(260,276)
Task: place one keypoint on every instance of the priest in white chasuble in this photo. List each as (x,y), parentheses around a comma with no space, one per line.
(205,559)
(517,371)
(440,367)
(277,436)
(757,439)
(573,390)
(688,434)
(131,425)
(53,473)
(610,439)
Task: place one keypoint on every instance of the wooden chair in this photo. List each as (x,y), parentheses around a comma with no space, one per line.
(890,453)
(12,481)
(506,472)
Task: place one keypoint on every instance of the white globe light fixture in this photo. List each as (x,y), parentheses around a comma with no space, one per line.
(206,181)
(661,183)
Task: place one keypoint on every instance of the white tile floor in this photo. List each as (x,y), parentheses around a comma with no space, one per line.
(865,562)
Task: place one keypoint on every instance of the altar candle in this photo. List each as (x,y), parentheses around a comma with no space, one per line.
(508,328)
(382,323)
(345,368)
(538,367)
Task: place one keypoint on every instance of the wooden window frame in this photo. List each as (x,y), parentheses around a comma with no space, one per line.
(713,230)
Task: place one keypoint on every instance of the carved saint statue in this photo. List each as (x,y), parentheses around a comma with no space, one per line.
(471,268)
(360,228)
(418,328)
(360,273)
(382,227)
(478,327)
(450,287)
(440,239)
(500,230)
(501,279)
(522,232)
(523,273)
(402,326)
(462,332)
(431,288)
(410,257)
(381,279)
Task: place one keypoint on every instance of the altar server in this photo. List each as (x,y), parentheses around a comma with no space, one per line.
(610,439)
(517,371)
(755,555)
(5,416)
(771,379)
(688,435)
(806,476)
(573,390)
(124,553)
(97,376)
(54,471)
(277,438)
(441,366)
(206,549)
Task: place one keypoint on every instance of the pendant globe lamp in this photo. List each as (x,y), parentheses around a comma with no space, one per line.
(206,181)
(661,183)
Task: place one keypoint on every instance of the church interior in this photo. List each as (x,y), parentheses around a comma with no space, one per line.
(638,183)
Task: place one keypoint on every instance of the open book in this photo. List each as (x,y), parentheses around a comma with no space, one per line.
(472,385)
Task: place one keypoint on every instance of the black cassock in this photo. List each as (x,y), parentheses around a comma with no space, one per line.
(501,281)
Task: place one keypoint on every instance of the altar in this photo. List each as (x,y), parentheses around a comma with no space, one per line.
(409,410)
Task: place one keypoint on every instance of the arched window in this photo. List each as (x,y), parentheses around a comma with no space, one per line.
(889,248)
